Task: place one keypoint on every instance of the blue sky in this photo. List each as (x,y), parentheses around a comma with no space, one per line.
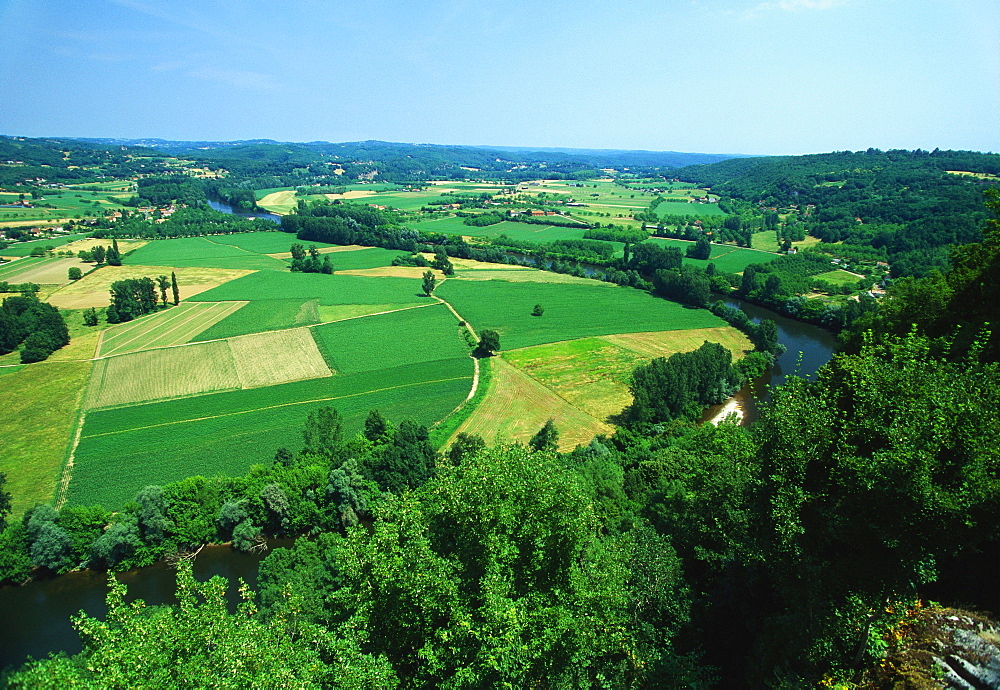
(719,76)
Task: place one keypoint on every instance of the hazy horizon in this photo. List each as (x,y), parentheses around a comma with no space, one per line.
(738,77)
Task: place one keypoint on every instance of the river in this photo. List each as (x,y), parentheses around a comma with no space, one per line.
(34,619)
(807,348)
(226,208)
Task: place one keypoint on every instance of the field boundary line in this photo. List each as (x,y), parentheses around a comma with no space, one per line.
(275,407)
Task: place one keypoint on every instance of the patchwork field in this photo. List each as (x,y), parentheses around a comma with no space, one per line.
(94,290)
(571,311)
(175,326)
(262,359)
(222,380)
(225,433)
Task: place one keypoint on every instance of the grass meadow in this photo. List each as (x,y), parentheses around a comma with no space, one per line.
(839,277)
(328,289)
(37,422)
(570,311)
(122,450)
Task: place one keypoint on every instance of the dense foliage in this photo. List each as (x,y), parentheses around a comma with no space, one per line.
(35,326)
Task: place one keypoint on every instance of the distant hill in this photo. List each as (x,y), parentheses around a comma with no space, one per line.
(469,156)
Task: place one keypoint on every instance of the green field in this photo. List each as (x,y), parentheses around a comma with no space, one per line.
(262,315)
(571,311)
(517,231)
(766,240)
(386,341)
(201,252)
(673,208)
(839,277)
(25,248)
(328,289)
(259,242)
(123,450)
(726,257)
(13,268)
(37,421)
(373,257)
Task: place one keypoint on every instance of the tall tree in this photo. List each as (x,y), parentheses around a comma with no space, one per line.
(163,283)
(173,287)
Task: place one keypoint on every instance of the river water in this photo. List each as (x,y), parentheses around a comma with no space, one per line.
(807,348)
(226,208)
(34,619)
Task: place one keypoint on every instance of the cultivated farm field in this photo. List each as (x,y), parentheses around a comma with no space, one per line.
(175,326)
(220,381)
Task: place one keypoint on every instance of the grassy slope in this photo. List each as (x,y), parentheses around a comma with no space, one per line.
(37,422)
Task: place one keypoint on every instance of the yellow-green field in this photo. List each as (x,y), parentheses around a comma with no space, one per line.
(585,380)
(175,326)
(94,290)
(241,362)
(516,406)
(171,372)
(37,421)
(267,359)
(51,272)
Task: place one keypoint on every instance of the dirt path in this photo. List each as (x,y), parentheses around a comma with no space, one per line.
(475,360)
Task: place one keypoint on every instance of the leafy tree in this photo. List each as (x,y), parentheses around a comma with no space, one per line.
(199,643)
(546,439)
(323,432)
(429,282)
(538,310)
(701,249)
(98,253)
(163,283)
(489,342)
(465,445)
(90,317)
(74,273)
